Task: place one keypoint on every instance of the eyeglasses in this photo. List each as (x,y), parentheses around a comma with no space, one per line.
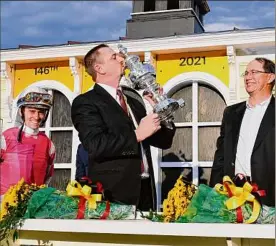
(252,72)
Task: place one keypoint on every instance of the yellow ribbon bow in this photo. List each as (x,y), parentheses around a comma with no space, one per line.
(75,189)
(239,196)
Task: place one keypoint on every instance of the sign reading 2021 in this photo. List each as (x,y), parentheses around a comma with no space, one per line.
(45,70)
(192,61)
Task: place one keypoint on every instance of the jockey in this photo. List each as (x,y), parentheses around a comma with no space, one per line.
(25,151)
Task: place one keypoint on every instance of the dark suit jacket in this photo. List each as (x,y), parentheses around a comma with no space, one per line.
(263,155)
(107,133)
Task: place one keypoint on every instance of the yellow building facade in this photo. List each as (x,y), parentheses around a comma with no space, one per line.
(203,69)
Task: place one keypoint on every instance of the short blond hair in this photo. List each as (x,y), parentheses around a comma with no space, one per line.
(90,59)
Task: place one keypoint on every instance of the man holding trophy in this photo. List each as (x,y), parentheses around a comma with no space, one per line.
(115,130)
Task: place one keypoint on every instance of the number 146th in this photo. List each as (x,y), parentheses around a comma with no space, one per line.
(192,61)
(45,70)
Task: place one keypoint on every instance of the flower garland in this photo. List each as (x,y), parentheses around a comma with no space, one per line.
(178,200)
(14,205)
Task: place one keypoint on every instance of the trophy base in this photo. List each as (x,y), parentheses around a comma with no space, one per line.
(167,107)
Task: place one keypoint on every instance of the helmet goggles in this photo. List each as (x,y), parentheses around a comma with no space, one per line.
(35,99)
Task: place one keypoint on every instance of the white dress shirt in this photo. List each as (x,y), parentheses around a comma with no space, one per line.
(112,91)
(248,133)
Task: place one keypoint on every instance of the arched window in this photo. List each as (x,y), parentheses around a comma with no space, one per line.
(198,125)
(59,129)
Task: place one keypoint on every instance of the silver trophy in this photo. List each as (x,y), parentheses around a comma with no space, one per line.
(143,77)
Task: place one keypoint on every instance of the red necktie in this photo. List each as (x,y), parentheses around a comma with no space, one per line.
(124,107)
(122,100)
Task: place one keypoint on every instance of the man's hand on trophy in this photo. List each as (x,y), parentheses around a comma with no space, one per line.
(150,98)
(147,127)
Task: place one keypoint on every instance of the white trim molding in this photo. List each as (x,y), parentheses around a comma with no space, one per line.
(6,75)
(233,83)
(231,54)
(204,41)
(202,77)
(150,58)
(144,227)
(74,66)
(56,85)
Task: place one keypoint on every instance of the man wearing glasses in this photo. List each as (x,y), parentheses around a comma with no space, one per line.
(246,144)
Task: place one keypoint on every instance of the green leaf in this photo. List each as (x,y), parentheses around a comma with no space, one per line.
(15,236)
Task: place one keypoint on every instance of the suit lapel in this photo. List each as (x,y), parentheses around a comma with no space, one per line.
(267,123)
(110,101)
(132,99)
(236,126)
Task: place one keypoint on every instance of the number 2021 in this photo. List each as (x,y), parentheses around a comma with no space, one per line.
(190,61)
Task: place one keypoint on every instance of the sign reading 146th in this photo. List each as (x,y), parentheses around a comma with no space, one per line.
(45,70)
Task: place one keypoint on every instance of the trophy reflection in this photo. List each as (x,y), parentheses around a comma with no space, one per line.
(143,77)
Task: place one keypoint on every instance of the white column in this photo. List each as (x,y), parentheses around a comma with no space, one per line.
(156,153)
(74,66)
(195,146)
(233,81)
(7,72)
(150,58)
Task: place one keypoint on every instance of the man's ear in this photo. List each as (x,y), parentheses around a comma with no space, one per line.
(271,78)
(98,68)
